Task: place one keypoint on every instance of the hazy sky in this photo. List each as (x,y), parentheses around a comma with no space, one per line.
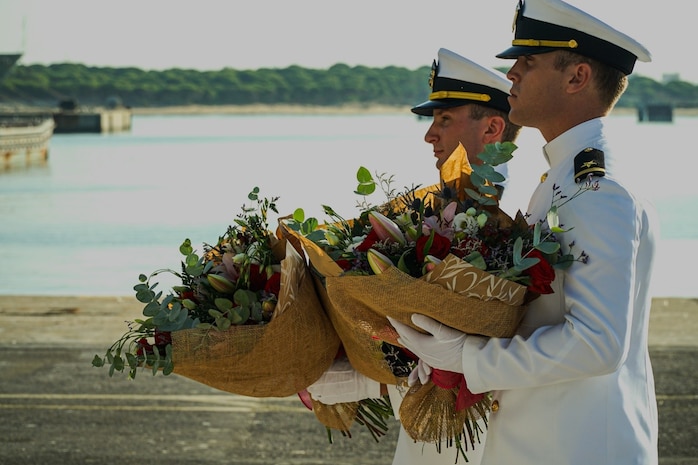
(250,34)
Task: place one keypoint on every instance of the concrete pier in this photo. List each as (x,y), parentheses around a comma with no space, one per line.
(91,121)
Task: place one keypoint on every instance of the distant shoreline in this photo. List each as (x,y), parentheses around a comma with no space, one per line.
(280,109)
(256,109)
(259,109)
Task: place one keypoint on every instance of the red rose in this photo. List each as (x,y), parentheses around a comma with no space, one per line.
(371,238)
(258,278)
(187,295)
(273,286)
(440,247)
(542,274)
(162,338)
(144,347)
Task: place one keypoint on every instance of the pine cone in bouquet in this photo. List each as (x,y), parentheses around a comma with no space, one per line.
(246,318)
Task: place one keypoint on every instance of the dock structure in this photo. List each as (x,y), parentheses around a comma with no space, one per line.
(24,141)
(90,121)
(72,118)
(655,112)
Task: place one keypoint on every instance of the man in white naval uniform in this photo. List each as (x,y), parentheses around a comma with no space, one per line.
(468,105)
(575,385)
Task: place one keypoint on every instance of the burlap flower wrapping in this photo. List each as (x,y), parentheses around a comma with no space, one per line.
(277,359)
(336,416)
(454,293)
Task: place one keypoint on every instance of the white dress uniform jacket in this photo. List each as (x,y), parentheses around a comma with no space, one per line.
(575,385)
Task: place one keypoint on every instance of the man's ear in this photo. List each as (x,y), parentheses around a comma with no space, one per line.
(494,130)
(579,77)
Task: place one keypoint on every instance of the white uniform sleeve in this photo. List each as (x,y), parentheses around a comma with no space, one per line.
(596,313)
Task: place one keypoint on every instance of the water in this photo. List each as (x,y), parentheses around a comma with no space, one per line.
(107,207)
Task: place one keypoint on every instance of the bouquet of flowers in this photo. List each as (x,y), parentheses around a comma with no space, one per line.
(446,251)
(246,318)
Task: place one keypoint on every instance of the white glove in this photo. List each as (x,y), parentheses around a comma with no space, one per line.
(421,372)
(443,349)
(342,383)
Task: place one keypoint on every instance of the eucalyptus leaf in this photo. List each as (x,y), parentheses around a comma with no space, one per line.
(548,247)
(191,260)
(473,195)
(195,270)
(536,233)
(517,251)
(168,368)
(223,304)
(186,248)
(145,296)
(240,315)
(363,175)
(132,360)
(527,263)
(152,308)
(309,225)
(483,171)
(497,153)
(496,177)
(298,215)
(476,179)
(365,189)
(215,313)
(244,297)
(256,313)
(488,190)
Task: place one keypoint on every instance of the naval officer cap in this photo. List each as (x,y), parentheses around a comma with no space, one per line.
(542,26)
(457,81)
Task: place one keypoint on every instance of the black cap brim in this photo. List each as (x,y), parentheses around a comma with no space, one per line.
(427,108)
(520,50)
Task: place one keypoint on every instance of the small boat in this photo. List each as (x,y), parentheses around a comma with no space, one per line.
(24,140)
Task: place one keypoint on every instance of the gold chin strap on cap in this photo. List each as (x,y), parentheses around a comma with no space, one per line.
(546,43)
(459,95)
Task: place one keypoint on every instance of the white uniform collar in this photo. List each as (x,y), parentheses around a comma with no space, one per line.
(573,141)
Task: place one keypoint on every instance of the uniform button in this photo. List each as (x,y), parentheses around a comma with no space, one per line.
(495,405)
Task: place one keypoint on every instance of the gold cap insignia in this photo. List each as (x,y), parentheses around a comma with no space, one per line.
(519,7)
(432,75)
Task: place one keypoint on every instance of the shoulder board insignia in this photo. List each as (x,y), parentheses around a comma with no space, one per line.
(589,161)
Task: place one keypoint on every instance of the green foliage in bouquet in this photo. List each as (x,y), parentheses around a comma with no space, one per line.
(471,227)
(234,282)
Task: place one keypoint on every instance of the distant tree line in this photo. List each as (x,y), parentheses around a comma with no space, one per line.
(40,85)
